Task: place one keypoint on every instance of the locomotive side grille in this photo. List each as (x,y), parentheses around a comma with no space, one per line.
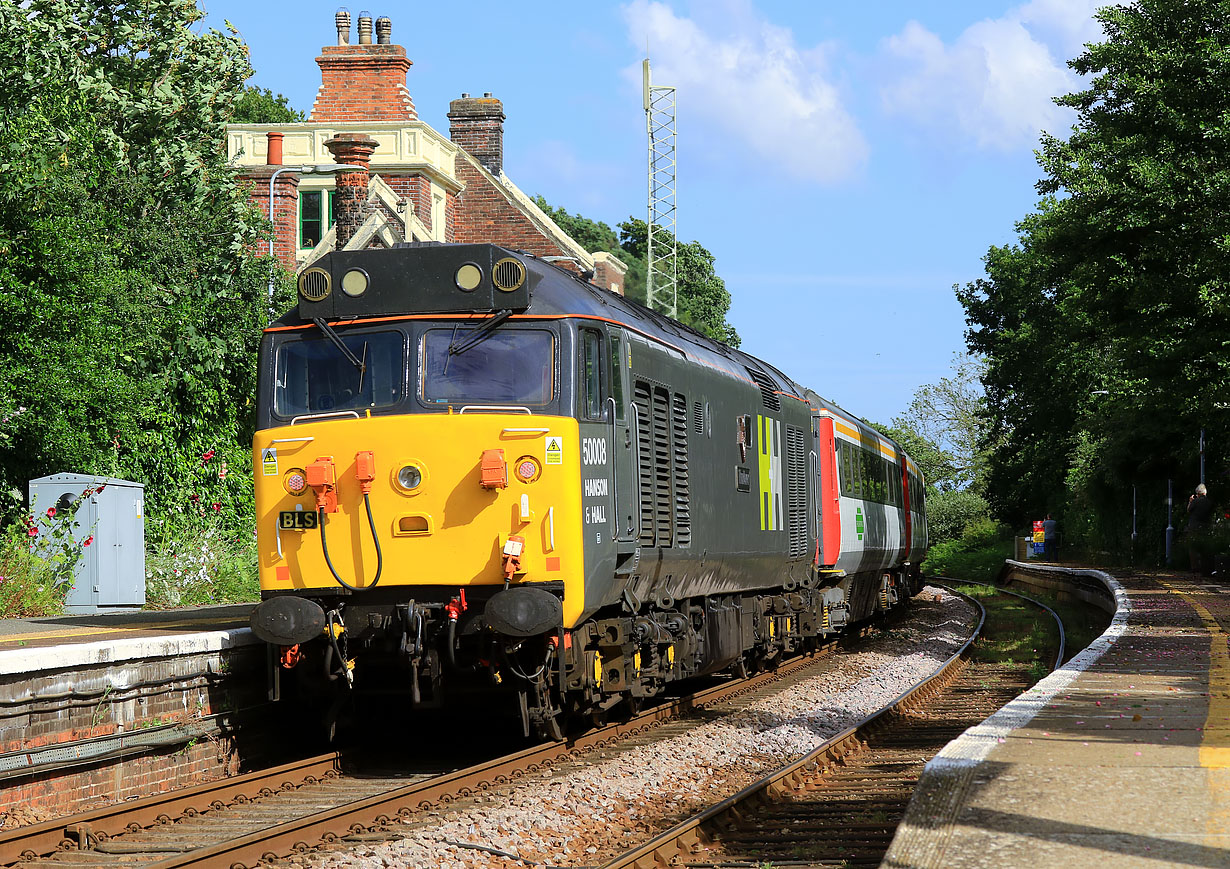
(662,507)
(698,417)
(768,389)
(796,494)
(683,504)
(644,453)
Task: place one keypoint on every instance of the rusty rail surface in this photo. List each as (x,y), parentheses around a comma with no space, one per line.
(106,829)
(674,846)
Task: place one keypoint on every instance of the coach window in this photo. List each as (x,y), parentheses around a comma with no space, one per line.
(591,373)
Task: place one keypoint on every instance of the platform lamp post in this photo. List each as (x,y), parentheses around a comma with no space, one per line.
(318,169)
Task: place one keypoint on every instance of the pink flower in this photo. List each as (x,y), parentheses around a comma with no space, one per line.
(87,541)
(206,456)
(32,532)
(51,511)
(217,506)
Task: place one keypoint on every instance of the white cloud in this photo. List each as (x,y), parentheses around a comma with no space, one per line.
(743,83)
(993,85)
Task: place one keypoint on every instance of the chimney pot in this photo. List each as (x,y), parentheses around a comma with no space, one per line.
(342,19)
(365,28)
(487,95)
(384,30)
(465,96)
(275,148)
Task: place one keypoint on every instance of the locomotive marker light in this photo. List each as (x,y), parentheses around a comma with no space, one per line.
(468,277)
(295,481)
(355,282)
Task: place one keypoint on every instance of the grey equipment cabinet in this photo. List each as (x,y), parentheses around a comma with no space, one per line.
(110,576)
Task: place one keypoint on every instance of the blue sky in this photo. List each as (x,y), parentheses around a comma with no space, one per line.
(845,163)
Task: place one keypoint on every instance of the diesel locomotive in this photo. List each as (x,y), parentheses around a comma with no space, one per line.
(477,472)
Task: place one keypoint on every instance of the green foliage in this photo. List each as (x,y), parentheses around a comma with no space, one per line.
(38,558)
(205,565)
(1105,328)
(703,300)
(262,106)
(950,513)
(951,416)
(131,298)
(977,555)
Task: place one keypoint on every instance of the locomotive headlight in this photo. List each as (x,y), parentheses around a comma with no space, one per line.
(354,282)
(409,478)
(294,481)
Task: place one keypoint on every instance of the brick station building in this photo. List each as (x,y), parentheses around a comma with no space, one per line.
(406,181)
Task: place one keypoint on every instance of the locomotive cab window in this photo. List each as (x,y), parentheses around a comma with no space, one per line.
(617,374)
(312,375)
(512,367)
(593,399)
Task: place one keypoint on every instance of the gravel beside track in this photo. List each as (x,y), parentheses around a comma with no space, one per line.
(584,812)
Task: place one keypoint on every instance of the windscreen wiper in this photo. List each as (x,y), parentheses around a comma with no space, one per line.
(479,334)
(341,345)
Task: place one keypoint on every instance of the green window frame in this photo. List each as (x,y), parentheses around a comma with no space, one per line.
(317,214)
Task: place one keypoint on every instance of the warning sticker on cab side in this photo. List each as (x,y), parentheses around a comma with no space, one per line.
(555,451)
(269,461)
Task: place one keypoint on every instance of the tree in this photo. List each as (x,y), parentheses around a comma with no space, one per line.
(1104,327)
(131,298)
(262,106)
(950,414)
(703,300)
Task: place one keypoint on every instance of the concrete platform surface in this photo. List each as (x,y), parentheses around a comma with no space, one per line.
(1119,759)
(58,642)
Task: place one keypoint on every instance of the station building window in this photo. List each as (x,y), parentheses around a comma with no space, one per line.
(317,214)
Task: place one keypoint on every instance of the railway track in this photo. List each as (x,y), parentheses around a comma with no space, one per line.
(297,807)
(840,805)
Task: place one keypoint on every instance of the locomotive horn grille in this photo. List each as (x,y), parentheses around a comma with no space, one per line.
(315,284)
(508,275)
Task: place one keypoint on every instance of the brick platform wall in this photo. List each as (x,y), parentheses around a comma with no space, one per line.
(214,693)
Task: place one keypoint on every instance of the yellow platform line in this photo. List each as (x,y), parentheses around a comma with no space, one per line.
(1215,738)
(85,632)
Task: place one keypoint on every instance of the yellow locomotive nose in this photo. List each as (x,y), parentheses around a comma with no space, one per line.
(448,514)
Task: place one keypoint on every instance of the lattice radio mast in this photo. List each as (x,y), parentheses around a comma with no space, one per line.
(661,281)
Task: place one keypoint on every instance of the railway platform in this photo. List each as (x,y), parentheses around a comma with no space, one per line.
(134,631)
(95,708)
(1120,758)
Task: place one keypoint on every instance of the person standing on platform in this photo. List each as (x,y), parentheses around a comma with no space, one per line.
(1199,518)
(1050,538)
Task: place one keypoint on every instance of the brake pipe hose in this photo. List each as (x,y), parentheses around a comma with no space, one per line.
(324,547)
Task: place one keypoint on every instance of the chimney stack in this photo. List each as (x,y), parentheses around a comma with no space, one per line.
(350,193)
(363,82)
(477,125)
